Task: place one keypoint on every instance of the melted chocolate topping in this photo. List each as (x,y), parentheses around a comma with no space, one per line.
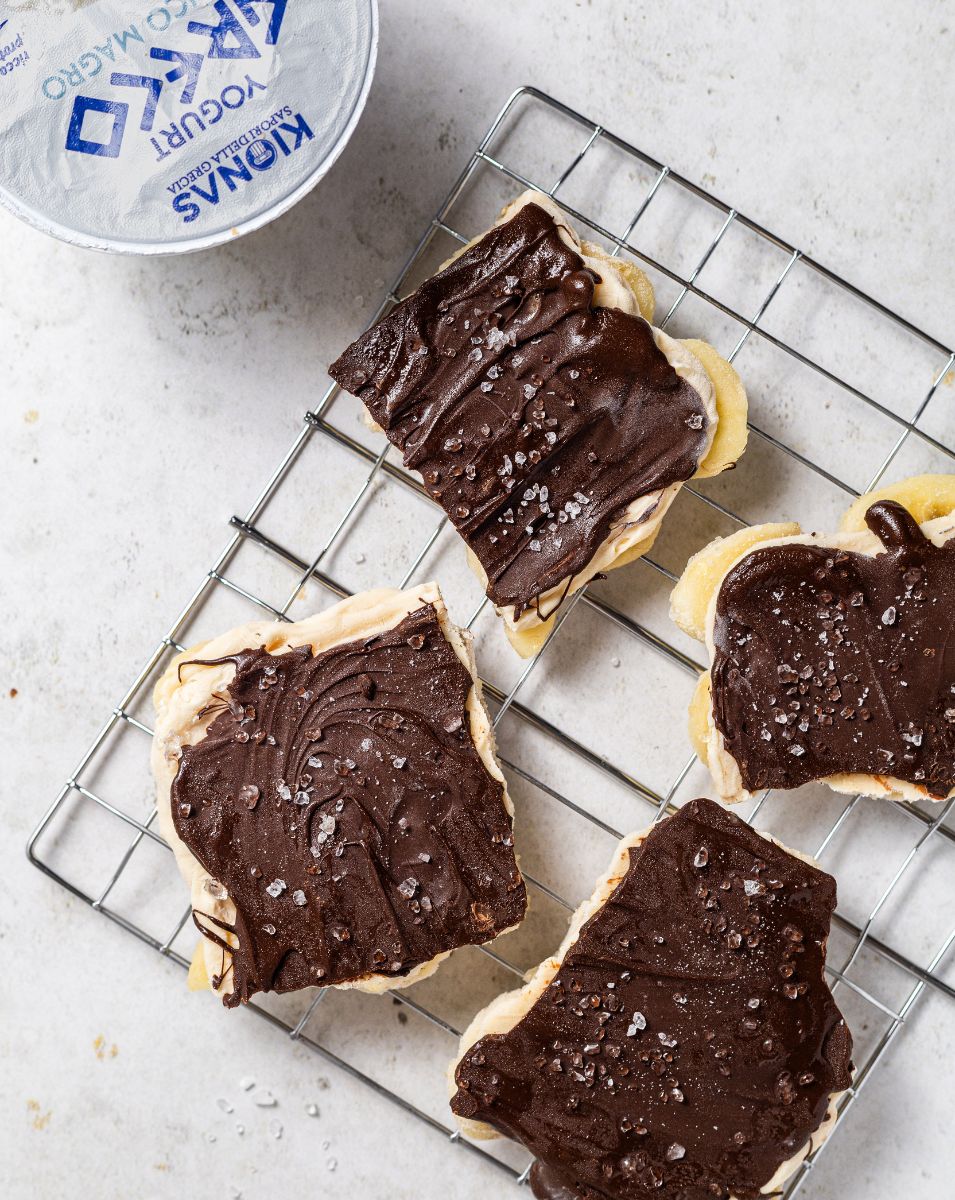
(688,1044)
(341,802)
(533,417)
(828,661)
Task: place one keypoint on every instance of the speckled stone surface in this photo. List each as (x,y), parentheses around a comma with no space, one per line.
(144,402)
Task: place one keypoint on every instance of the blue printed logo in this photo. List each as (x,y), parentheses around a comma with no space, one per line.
(271,138)
(75,139)
(228,39)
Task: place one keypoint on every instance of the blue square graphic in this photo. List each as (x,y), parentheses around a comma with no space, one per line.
(74,138)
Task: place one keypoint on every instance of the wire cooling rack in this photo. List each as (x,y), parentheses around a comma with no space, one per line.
(844,394)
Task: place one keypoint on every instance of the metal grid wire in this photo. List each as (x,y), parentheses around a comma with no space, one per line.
(930,827)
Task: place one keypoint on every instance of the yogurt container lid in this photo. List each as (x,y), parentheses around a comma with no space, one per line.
(152,127)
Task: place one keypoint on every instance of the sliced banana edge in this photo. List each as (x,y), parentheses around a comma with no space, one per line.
(925,496)
(732,410)
(703,574)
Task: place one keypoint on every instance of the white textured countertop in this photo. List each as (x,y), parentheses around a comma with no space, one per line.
(145,402)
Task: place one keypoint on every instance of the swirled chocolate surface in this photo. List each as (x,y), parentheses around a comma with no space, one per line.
(828,661)
(534,418)
(341,802)
(688,1045)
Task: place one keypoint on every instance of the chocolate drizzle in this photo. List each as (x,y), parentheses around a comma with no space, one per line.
(341,802)
(688,1045)
(533,417)
(828,661)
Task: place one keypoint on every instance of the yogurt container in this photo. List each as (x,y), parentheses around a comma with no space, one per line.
(158,128)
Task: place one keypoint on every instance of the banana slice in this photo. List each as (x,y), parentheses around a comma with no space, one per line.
(635,279)
(704,573)
(622,286)
(931,501)
(925,496)
(732,433)
(700,707)
(198,978)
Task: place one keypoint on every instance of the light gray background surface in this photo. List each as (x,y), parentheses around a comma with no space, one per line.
(144,402)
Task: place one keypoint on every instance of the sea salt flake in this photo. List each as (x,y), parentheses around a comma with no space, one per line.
(888,617)
(299,897)
(276,888)
(264,1099)
(249,795)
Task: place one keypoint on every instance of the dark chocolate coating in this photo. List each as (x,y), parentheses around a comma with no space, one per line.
(688,1045)
(533,417)
(828,662)
(348,782)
